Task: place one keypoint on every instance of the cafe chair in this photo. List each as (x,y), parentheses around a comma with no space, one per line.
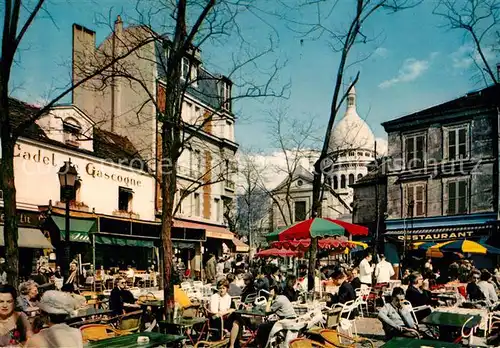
(216,344)
(97,332)
(305,343)
(130,322)
(336,339)
(148,297)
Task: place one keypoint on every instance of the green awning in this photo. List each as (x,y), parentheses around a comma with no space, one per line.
(120,241)
(79,228)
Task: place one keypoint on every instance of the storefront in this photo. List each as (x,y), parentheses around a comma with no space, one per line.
(402,234)
(31,239)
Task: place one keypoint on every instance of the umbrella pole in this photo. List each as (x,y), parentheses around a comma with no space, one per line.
(313,250)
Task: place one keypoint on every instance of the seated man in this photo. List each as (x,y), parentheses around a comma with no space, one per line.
(418,297)
(121,299)
(397,320)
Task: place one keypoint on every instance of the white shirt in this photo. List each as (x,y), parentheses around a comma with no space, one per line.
(488,291)
(365,272)
(220,304)
(383,272)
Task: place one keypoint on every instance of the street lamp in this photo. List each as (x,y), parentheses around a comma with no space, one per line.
(67,179)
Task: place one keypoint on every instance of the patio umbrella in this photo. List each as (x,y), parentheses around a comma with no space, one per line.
(303,244)
(465,246)
(317,227)
(277,252)
(422,245)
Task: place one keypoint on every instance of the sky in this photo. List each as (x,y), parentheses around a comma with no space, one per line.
(414,63)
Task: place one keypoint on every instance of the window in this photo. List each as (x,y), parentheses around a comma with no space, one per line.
(414,202)
(196,164)
(367,154)
(184,68)
(360,154)
(300,211)
(188,112)
(125,199)
(351,153)
(456,143)
(457,197)
(335,182)
(217,209)
(71,130)
(351,179)
(226,96)
(360,176)
(414,151)
(229,126)
(196,202)
(342,181)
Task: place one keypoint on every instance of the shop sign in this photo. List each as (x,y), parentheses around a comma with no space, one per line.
(436,236)
(25,218)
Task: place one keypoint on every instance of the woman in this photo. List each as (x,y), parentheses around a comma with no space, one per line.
(56,306)
(289,290)
(15,328)
(28,300)
(279,305)
(220,306)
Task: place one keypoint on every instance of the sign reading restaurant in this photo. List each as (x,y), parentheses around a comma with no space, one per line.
(436,236)
(48,158)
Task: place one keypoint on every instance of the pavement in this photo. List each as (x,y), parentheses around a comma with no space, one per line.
(371,328)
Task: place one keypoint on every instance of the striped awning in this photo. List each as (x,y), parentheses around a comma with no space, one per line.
(79,228)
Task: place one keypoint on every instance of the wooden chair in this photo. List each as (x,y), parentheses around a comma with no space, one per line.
(148,297)
(96,332)
(305,343)
(130,322)
(336,339)
(216,344)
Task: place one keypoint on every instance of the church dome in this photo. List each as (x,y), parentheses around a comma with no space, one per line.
(351,132)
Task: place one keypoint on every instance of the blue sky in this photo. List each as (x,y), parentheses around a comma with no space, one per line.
(415,63)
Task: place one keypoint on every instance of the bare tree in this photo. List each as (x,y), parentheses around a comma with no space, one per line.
(322,25)
(479,20)
(18,18)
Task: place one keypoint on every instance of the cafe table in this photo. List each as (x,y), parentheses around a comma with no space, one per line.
(399,342)
(450,323)
(185,326)
(130,341)
(251,312)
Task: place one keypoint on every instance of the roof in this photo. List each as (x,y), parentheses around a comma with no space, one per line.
(299,172)
(107,145)
(485,98)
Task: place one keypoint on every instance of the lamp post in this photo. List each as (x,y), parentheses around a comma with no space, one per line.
(67,179)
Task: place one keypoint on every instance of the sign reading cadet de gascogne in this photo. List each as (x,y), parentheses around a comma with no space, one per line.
(40,158)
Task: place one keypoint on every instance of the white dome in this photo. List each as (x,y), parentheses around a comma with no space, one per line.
(351,132)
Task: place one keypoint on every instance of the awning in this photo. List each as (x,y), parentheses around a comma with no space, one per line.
(219,233)
(240,246)
(440,233)
(120,241)
(29,238)
(189,224)
(79,228)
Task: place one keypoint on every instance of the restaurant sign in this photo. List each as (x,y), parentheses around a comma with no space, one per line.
(435,236)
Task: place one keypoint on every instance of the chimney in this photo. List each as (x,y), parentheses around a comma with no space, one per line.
(82,52)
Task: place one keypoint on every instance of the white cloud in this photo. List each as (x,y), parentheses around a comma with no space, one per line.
(381,146)
(465,56)
(412,68)
(381,52)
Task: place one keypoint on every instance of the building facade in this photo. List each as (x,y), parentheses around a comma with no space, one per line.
(442,180)
(292,200)
(114,191)
(128,108)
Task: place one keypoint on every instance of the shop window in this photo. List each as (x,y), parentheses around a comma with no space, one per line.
(71,131)
(414,151)
(351,179)
(457,197)
(415,200)
(125,196)
(342,181)
(300,210)
(456,143)
(335,182)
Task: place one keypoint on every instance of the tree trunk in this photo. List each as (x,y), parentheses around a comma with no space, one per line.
(168,188)
(315,212)
(8,187)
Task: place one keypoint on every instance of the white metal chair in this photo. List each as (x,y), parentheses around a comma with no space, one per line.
(345,321)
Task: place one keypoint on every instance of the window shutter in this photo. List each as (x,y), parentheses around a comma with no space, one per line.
(452,194)
(462,197)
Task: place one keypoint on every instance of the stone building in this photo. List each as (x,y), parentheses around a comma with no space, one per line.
(125,106)
(442,180)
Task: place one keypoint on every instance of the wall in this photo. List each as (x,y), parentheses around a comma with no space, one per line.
(36,166)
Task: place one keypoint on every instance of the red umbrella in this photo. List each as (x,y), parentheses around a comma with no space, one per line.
(276,252)
(303,244)
(317,227)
